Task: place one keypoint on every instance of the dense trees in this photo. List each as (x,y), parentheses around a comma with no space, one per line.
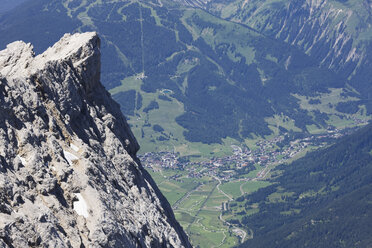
(127,100)
(320,200)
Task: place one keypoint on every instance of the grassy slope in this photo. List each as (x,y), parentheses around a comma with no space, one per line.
(167,113)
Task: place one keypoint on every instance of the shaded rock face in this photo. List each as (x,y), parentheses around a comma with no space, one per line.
(69,176)
(193,3)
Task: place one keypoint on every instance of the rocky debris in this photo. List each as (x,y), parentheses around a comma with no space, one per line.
(69,175)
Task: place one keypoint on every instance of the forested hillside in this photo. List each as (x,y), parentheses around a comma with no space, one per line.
(321,200)
(337,33)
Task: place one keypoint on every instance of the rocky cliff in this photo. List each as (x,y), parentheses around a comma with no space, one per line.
(69,176)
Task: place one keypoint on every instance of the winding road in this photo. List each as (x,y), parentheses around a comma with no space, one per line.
(218,187)
(260,175)
(230,199)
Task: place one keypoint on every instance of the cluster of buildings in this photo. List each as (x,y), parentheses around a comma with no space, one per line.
(160,160)
(243,159)
(358,121)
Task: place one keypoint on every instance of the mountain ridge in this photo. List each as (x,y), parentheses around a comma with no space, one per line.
(69,172)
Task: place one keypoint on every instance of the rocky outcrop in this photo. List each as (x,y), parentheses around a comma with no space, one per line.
(193,3)
(69,176)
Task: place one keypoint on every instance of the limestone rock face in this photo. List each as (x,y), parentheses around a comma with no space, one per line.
(69,175)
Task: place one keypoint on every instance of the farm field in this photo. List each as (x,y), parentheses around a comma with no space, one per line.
(198,204)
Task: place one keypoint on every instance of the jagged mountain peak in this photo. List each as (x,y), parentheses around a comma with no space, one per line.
(18,59)
(69,175)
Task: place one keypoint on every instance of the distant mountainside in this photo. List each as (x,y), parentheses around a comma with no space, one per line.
(202,79)
(7,5)
(321,200)
(337,33)
(69,175)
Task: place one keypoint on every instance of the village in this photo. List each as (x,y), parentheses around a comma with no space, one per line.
(277,150)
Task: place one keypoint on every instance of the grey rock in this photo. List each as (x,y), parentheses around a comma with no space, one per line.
(69,175)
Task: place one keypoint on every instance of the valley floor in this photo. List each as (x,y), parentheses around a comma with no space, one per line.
(201,191)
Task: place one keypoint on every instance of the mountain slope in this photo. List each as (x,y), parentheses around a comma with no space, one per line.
(336,33)
(7,5)
(170,65)
(332,31)
(320,200)
(68,167)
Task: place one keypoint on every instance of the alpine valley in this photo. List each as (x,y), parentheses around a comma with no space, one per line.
(228,100)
